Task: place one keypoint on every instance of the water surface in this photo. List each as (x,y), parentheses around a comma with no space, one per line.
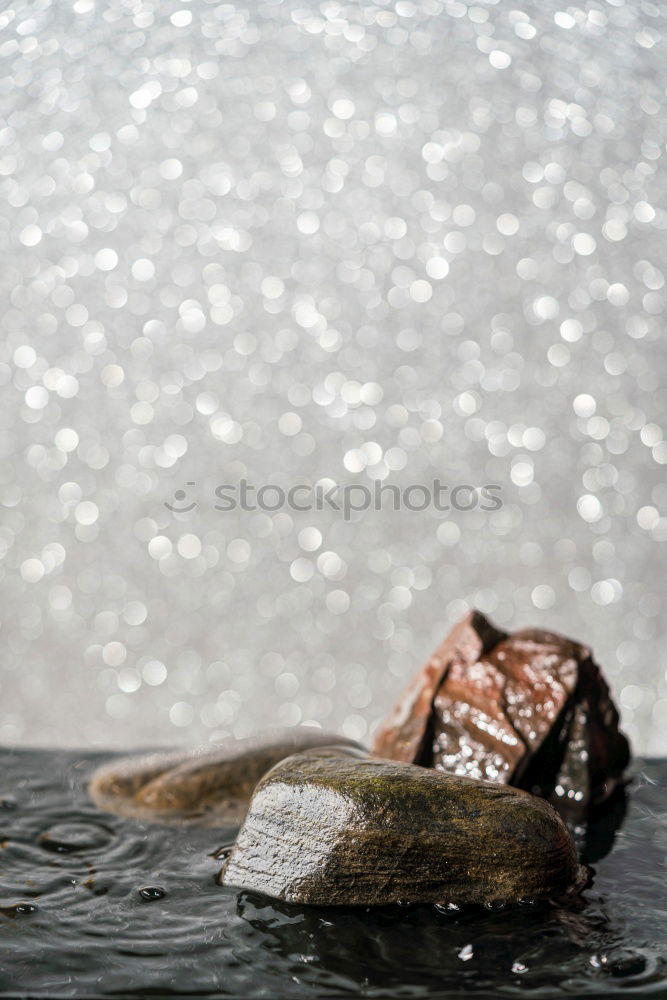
(92,905)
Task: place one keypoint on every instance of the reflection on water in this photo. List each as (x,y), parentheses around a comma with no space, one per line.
(596,839)
(93,905)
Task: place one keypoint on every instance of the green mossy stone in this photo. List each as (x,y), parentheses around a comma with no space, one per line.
(334,827)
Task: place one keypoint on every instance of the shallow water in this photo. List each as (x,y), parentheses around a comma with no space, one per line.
(92,905)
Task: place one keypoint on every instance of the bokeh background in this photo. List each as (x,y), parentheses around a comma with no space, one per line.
(299,242)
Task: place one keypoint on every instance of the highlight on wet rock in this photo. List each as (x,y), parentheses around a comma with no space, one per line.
(529,709)
(333,826)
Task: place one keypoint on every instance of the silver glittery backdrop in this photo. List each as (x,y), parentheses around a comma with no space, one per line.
(300,241)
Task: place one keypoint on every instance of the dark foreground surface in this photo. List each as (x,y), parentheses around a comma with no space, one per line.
(74,921)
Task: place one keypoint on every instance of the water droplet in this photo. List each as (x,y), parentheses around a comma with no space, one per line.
(18,909)
(222,853)
(621,964)
(151,892)
(627,963)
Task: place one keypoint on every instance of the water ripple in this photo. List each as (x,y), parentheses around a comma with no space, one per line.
(93,905)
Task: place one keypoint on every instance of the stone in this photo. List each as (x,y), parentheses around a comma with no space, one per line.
(529,709)
(335,827)
(207,786)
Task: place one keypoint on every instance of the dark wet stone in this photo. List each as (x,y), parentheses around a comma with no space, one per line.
(530,709)
(333,827)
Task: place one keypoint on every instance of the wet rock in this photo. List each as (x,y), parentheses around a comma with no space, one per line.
(335,827)
(530,709)
(405,732)
(210,786)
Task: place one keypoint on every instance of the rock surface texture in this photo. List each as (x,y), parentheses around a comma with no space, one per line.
(203,787)
(334,827)
(529,709)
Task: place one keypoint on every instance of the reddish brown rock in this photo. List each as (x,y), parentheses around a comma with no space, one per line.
(404,732)
(530,709)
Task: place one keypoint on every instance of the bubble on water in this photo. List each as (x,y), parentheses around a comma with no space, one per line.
(448,909)
(19,909)
(150,893)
